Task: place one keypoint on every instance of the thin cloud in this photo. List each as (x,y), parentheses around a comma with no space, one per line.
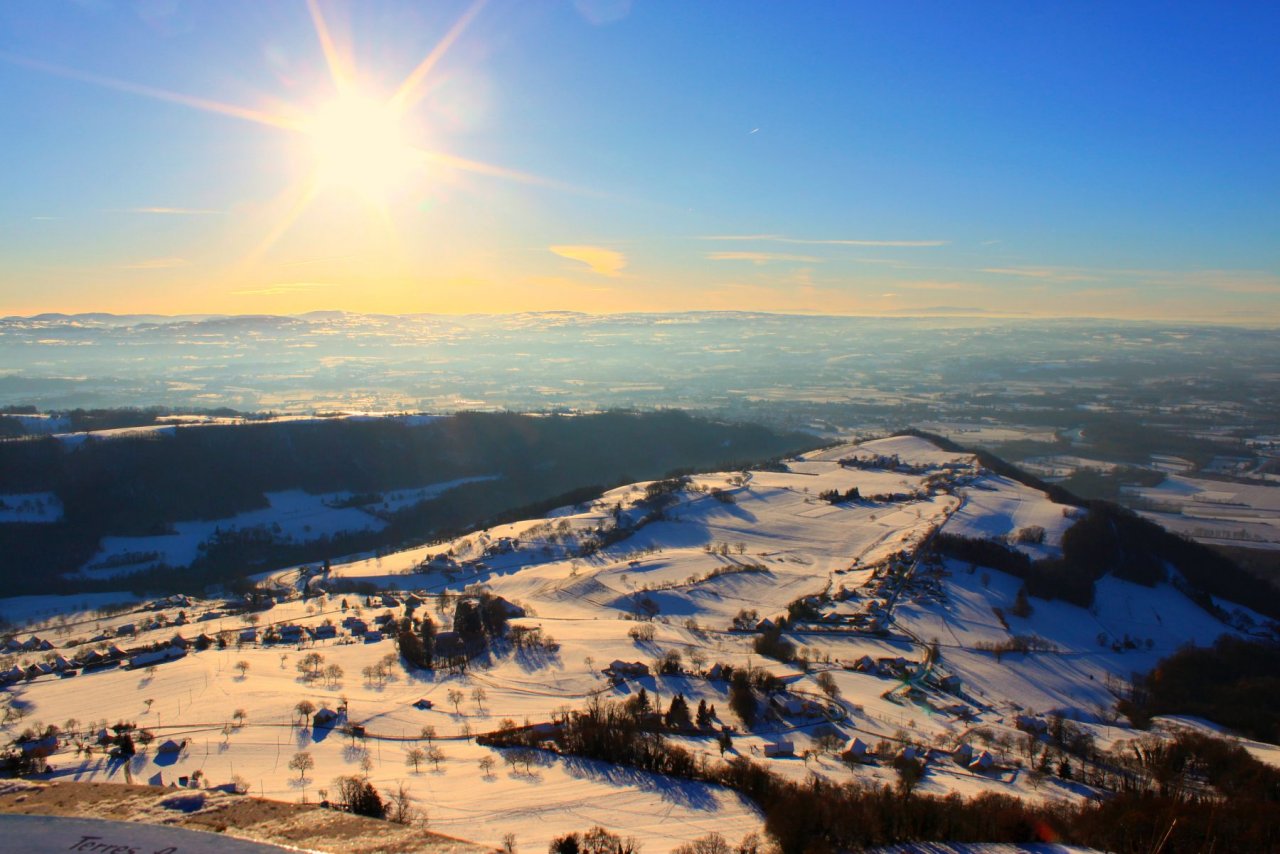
(157,264)
(926,285)
(283,288)
(166,211)
(780,238)
(605,262)
(761,257)
(1055,274)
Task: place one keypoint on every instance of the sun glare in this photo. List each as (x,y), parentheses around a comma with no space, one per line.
(359,144)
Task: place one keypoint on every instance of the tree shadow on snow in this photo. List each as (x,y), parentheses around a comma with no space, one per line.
(534,659)
(685,793)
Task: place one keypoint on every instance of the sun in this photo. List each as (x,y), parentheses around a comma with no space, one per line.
(359,144)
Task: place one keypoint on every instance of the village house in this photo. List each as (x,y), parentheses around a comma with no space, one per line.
(619,669)
(779,748)
(984,761)
(156,656)
(795,707)
(855,751)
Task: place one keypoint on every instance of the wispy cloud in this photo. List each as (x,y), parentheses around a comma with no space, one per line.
(761,257)
(1055,274)
(157,264)
(166,211)
(927,285)
(606,262)
(781,238)
(1257,282)
(283,288)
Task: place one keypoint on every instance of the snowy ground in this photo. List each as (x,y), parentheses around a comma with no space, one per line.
(773,542)
(1213,510)
(291,514)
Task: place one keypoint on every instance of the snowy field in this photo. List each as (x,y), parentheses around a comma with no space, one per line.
(1213,510)
(292,514)
(762,543)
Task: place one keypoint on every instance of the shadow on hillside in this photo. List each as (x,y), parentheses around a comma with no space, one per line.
(536,658)
(685,793)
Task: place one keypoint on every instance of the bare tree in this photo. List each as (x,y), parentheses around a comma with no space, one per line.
(428,733)
(415,758)
(304,710)
(311,665)
(455,696)
(486,765)
(435,755)
(302,762)
(478,695)
(400,808)
(243,667)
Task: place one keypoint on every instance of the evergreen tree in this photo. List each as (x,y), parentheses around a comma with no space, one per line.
(677,716)
(428,630)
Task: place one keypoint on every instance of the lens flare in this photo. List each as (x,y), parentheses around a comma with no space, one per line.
(359,144)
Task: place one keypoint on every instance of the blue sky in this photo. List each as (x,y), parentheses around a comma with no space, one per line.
(889,158)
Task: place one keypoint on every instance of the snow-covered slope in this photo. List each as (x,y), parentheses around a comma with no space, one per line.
(907,640)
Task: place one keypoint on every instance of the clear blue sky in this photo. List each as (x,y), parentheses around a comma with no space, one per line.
(1117,159)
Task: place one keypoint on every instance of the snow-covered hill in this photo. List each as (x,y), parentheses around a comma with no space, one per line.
(898,649)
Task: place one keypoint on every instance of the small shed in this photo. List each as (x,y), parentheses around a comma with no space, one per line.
(324,717)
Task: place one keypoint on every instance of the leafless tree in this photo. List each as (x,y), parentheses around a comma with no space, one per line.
(302,762)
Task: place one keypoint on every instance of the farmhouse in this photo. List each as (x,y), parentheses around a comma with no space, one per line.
(781,747)
(620,669)
(855,751)
(983,762)
(156,656)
